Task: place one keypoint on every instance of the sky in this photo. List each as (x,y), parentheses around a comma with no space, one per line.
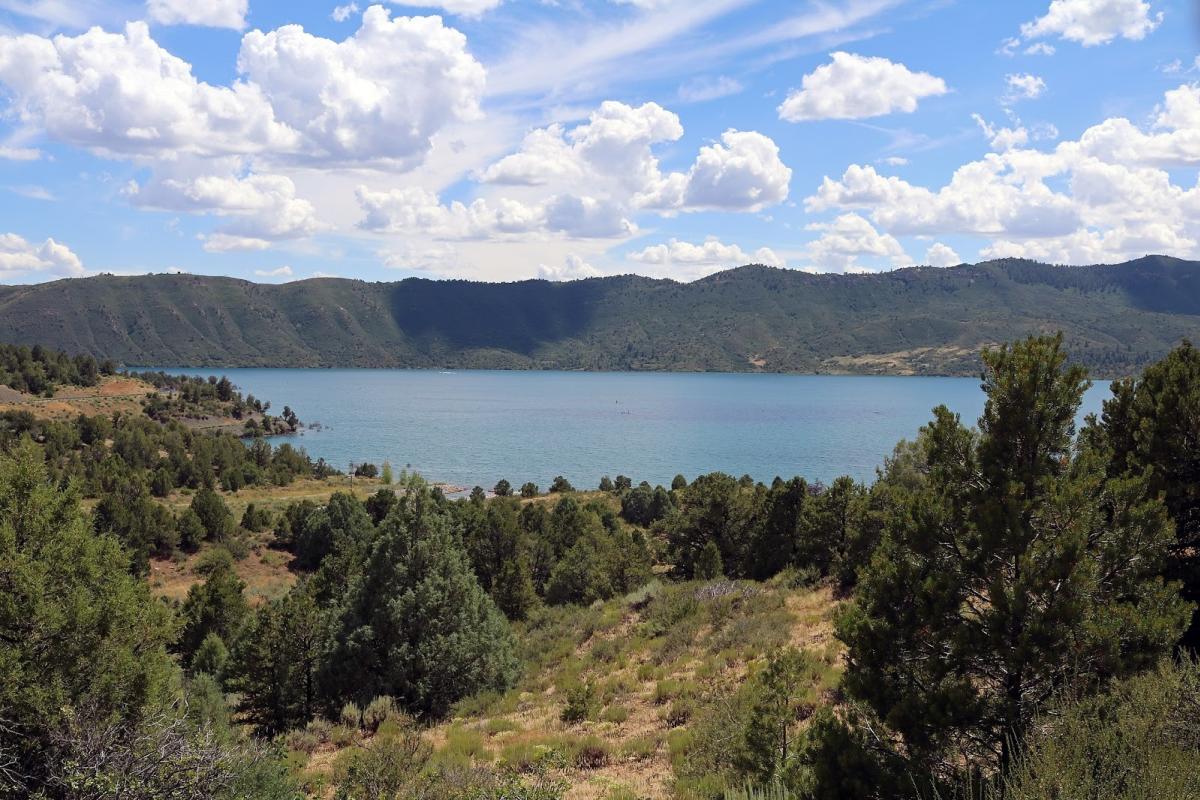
(503,140)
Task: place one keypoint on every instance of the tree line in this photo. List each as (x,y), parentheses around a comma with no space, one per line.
(39,370)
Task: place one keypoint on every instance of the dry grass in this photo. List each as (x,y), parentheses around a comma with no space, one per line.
(648,677)
(114,394)
(265,572)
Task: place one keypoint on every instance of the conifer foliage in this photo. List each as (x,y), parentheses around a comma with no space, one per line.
(1017,569)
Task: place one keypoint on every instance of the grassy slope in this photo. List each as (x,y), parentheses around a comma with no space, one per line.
(651,682)
(655,660)
(918,320)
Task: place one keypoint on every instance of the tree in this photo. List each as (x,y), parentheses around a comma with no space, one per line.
(529,489)
(678,482)
(256,519)
(502,489)
(713,508)
(770,740)
(77,630)
(1153,424)
(708,563)
(438,638)
(1016,570)
(606,484)
(379,504)
(274,667)
(213,514)
(776,541)
(622,484)
(218,605)
(211,657)
(342,523)
(513,588)
(385,474)
(190,530)
(560,484)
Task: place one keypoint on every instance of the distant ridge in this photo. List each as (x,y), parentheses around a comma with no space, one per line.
(920,320)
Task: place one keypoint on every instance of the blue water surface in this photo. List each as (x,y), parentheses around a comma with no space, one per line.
(475,427)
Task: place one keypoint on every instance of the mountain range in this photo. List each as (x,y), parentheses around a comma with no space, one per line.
(920,320)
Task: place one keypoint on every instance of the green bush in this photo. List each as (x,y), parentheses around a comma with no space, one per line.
(1138,741)
(581,702)
(615,714)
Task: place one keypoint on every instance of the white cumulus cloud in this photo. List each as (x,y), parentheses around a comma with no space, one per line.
(343,13)
(280,272)
(1105,197)
(942,255)
(847,239)
(856,87)
(380,94)
(210,13)
(22,259)
(120,94)
(1023,87)
(573,268)
(1094,22)
(690,260)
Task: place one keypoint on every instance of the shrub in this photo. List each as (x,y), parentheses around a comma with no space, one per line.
(1140,740)
(343,735)
(590,752)
(615,714)
(581,703)
(378,711)
(350,716)
(465,742)
(500,725)
(641,748)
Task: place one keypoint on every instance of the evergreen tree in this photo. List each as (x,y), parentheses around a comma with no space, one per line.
(274,667)
(1015,571)
(416,625)
(213,514)
(770,740)
(513,588)
(708,563)
(713,508)
(76,629)
(218,605)
(341,524)
(1153,424)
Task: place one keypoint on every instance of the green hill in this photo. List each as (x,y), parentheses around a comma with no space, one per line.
(920,320)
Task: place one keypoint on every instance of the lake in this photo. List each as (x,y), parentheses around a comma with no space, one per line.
(475,427)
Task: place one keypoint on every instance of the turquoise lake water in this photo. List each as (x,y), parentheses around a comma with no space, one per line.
(475,427)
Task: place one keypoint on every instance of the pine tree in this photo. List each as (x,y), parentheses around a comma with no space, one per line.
(1014,571)
(513,588)
(274,667)
(218,605)
(416,625)
(77,630)
(1153,423)
(708,563)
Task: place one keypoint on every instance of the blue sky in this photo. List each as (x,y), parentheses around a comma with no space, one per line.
(509,139)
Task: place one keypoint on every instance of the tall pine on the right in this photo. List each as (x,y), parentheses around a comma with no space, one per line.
(1017,568)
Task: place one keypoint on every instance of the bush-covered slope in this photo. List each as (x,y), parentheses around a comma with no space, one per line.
(918,320)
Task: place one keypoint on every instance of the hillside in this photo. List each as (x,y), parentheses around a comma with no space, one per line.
(912,321)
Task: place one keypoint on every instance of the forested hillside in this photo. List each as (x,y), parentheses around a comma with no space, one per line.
(1116,319)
